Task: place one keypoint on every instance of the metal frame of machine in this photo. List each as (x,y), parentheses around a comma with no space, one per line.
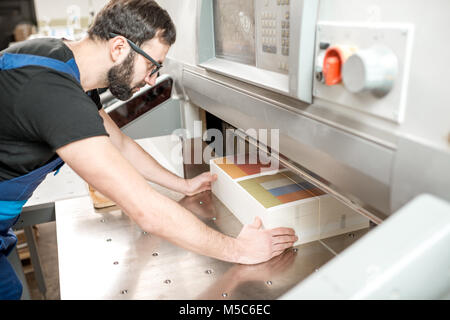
(360,156)
(375,157)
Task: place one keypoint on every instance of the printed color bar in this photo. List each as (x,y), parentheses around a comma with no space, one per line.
(232,167)
(280,188)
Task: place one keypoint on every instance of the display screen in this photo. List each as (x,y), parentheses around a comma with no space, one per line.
(254,32)
(234,23)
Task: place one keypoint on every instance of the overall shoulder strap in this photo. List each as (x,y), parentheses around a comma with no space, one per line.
(10,61)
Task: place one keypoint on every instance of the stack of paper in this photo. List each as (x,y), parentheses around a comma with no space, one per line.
(281,199)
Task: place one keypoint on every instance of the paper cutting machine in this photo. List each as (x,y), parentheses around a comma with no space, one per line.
(355,92)
(356,99)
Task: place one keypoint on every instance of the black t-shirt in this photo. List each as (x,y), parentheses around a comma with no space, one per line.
(42,110)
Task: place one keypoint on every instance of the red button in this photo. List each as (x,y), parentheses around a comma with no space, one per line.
(332,66)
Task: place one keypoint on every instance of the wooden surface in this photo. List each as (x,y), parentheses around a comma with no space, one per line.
(99,200)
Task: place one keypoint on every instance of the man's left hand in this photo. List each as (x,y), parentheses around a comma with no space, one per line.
(200,183)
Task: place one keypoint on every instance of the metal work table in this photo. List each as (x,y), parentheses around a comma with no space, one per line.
(104,255)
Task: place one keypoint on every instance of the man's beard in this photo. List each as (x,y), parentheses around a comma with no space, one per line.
(120,78)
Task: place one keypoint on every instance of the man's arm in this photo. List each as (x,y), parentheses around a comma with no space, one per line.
(148,167)
(100,164)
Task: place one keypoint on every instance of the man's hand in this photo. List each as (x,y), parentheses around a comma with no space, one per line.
(257,245)
(200,183)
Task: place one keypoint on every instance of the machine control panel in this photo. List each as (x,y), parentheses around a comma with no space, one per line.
(272,33)
(364,66)
(268,43)
(255,33)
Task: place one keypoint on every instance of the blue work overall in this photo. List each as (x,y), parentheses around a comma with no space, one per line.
(15,193)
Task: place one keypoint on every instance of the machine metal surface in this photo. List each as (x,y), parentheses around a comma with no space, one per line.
(102,254)
(375,130)
(353,164)
(358,137)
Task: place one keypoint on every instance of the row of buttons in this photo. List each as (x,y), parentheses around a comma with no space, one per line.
(273,24)
(282,2)
(269,41)
(283,66)
(269,24)
(270,49)
(273,16)
(268,32)
(268,15)
(273,41)
(285,37)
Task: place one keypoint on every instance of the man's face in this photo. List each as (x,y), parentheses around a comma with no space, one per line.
(134,72)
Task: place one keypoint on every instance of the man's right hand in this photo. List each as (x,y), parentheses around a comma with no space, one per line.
(257,245)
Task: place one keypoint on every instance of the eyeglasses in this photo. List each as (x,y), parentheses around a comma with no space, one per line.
(141,52)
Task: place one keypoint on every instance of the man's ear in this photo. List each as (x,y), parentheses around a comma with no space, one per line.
(118,48)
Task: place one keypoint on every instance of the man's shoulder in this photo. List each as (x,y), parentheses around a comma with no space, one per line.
(40,78)
(50,87)
(44,47)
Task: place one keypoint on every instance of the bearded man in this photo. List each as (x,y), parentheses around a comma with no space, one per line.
(51,114)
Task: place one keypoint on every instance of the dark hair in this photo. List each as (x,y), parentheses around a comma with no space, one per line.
(137,20)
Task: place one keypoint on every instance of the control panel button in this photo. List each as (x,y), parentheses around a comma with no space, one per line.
(273,34)
(373,69)
(332,70)
(334,59)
